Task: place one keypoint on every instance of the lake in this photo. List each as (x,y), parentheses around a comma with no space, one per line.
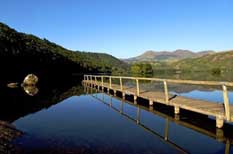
(71,118)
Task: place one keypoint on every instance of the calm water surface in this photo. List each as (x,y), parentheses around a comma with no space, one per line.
(86,121)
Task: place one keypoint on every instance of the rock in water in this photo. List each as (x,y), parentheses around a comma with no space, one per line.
(30,79)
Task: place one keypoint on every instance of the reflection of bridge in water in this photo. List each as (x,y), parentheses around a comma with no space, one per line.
(213,132)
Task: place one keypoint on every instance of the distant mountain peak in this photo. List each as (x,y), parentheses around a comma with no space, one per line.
(178,54)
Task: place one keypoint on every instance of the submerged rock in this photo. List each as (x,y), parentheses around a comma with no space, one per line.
(30,79)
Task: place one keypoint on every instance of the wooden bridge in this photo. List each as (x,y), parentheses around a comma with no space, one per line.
(222,112)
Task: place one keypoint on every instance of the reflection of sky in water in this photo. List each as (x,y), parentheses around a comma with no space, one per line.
(214,96)
(83,121)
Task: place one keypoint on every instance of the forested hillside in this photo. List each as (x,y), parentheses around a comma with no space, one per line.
(24,53)
(222,61)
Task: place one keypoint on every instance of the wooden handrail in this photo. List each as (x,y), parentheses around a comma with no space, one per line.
(195,82)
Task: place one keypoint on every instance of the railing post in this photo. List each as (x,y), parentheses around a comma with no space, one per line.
(110,82)
(226,103)
(166,91)
(102,81)
(95,80)
(121,84)
(137,84)
(91,78)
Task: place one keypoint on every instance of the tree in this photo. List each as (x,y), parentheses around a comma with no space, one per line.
(141,68)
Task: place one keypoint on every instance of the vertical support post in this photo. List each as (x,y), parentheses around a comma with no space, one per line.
(91,78)
(226,103)
(110,82)
(123,95)
(219,122)
(121,84)
(137,84)
(102,81)
(166,92)
(177,109)
(95,80)
(151,102)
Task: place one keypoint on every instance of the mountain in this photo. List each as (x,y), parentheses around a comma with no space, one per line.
(215,62)
(167,55)
(25,53)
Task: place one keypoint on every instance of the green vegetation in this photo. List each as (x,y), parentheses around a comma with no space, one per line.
(214,63)
(141,68)
(21,51)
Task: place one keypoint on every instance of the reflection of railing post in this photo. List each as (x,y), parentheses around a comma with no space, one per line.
(166,91)
(226,103)
(121,108)
(110,101)
(166,129)
(87,90)
(227,146)
(103,97)
(138,115)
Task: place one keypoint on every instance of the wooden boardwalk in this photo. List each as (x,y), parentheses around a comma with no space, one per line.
(222,112)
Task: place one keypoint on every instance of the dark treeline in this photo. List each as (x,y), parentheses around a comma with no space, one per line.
(21,54)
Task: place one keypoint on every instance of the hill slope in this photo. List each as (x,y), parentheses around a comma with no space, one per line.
(20,52)
(166,55)
(222,61)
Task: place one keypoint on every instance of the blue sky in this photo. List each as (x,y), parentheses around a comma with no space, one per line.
(125,28)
